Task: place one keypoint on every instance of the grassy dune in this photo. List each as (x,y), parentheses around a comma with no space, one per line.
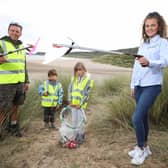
(113,59)
(114,95)
(108,124)
(109,131)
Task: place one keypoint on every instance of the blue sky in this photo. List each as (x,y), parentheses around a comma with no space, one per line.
(103,24)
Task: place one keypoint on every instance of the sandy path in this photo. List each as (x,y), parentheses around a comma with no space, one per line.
(99,71)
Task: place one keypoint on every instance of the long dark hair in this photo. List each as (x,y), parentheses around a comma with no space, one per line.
(162,31)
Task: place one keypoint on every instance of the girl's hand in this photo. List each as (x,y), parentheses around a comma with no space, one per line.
(132,93)
(143,61)
(78,106)
(74,106)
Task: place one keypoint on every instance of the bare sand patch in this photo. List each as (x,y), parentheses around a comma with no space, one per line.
(99,71)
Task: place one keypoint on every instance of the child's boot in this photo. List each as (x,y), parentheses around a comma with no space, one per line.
(46,125)
(53,126)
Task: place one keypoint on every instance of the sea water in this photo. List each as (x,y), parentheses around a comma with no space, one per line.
(34,57)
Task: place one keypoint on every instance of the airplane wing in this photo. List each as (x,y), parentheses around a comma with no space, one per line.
(64,49)
(33,49)
(55,52)
(96,50)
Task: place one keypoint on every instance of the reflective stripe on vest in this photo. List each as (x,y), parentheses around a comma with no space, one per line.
(77,93)
(52,98)
(13,71)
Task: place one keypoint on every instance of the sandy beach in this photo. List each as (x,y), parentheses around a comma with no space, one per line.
(38,70)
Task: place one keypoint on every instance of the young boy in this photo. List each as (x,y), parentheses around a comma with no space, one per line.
(51,92)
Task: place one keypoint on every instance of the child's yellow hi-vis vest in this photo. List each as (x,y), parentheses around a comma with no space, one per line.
(51,100)
(79,92)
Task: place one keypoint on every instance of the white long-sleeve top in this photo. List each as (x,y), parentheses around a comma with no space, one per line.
(156,51)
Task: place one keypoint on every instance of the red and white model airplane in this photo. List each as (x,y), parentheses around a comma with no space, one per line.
(67,48)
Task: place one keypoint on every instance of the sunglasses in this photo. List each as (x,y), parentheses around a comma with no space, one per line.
(153,14)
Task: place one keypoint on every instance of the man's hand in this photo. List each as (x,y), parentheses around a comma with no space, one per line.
(30,45)
(26,86)
(2,60)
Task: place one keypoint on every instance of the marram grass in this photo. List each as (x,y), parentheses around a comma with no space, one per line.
(110,103)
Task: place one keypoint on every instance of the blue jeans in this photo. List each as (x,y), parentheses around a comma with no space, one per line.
(145,97)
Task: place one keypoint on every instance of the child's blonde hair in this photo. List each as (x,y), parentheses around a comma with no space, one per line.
(79,65)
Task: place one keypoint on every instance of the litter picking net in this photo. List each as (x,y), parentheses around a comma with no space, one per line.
(72,123)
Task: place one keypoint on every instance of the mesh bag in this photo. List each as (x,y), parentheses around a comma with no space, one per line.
(72,123)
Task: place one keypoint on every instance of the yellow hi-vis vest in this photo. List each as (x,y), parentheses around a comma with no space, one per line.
(52,99)
(78,89)
(12,71)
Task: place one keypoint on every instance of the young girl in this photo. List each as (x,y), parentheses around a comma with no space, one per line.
(147,80)
(78,93)
(51,92)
